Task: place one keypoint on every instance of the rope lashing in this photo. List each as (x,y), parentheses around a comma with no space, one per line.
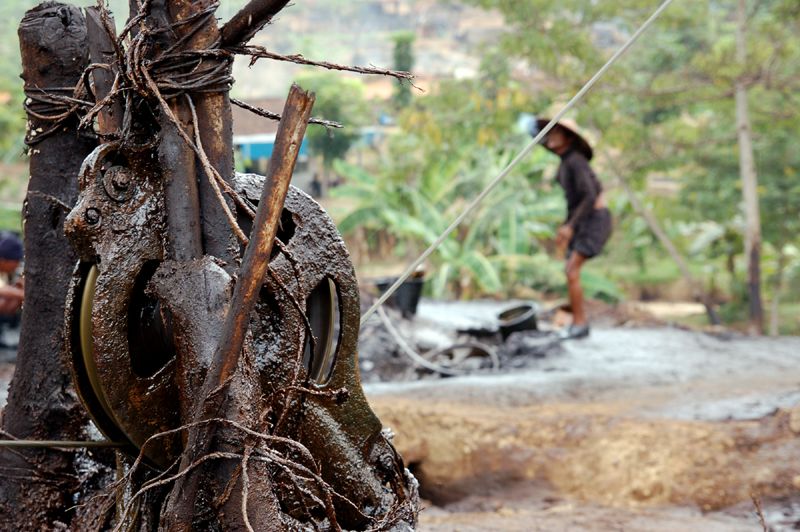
(477,201)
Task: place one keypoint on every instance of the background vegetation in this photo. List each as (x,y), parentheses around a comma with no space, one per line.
(665,114)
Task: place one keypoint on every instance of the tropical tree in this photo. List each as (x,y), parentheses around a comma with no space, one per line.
(339,99)
(404,62)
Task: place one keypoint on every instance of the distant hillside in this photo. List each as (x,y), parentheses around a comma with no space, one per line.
(358,32)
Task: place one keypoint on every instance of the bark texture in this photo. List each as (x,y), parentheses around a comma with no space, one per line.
(249,21)
(215,122)
(775,312)
(747,169)
(37,487)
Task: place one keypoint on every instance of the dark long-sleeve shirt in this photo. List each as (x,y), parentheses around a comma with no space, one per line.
(580,184)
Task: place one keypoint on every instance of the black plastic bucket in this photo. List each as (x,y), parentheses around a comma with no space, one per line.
(407,295)
(519,318)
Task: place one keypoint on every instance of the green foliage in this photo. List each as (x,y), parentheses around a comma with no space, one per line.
(497,247)
(552,33)
(404,62)
(339,99)
(449,146)
(466,263)
(12,116)
(667,107)
(10,219)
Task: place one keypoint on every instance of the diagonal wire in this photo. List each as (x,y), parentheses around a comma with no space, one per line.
(515,162)
(409,351)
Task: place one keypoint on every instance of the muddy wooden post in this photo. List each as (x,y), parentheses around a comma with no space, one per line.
(197,223)
(214,117)
(215,124)
(37,486)
(291,130)
(251,275)
(179,168)
(247,22)
(101,51)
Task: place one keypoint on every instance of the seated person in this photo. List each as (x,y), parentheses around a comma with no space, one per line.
(11,292)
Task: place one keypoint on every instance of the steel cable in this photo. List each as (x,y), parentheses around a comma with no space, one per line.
(477,201)
(413,355)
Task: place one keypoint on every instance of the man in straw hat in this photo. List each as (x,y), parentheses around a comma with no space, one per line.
(588,223)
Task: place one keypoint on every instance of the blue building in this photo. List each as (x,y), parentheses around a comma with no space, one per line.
(254,139)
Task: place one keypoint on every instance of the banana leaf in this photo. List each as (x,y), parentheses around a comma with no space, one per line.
(483,272)
(369,216)
(354,174)
(438,283)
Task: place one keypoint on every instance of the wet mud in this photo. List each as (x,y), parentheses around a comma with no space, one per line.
(636,429)
(439,325)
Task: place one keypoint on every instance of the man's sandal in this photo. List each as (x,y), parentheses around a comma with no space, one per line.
(573,332)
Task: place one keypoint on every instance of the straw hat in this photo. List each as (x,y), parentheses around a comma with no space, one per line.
(572,126)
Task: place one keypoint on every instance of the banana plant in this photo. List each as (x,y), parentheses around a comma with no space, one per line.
(496,247)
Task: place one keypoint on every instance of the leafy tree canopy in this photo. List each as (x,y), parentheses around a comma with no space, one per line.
(339,99)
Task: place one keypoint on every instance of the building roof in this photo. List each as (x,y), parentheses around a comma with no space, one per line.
(247,123)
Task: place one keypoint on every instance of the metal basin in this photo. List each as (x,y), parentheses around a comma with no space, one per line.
(519,318)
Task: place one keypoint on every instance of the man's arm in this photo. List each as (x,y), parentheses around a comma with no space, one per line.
(10,299)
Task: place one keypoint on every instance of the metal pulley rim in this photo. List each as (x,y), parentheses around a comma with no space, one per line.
(87,349)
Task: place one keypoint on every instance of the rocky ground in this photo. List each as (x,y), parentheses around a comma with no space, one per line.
(635,429)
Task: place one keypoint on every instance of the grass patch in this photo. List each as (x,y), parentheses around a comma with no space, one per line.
(789,319)
(789,324)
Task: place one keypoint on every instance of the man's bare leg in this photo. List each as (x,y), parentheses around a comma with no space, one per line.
(573,271)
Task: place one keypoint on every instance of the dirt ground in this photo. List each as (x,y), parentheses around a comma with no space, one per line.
(636,429)
(583,518)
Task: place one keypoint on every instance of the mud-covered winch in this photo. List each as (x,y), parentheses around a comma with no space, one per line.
(211,319)
(143,329)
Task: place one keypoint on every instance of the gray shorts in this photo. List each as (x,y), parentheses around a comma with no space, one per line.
(592,234)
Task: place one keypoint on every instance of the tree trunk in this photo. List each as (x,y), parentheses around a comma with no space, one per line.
(747,171)
(38,486)
(774,315)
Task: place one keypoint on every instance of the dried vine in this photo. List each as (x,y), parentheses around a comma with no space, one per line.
(259,52)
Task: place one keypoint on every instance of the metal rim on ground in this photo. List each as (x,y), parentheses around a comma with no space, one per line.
(423,360)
